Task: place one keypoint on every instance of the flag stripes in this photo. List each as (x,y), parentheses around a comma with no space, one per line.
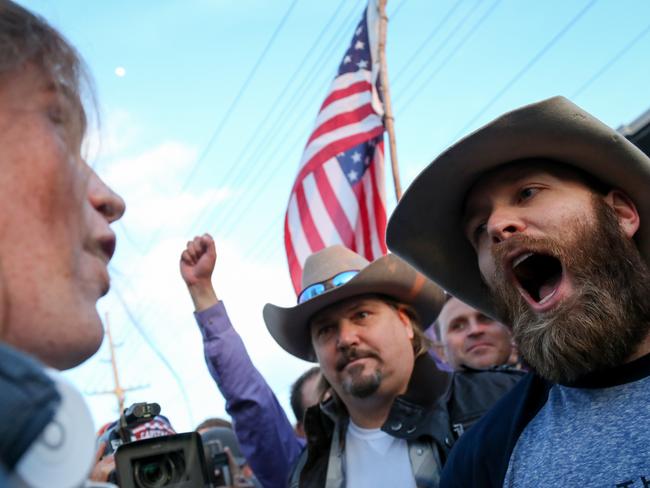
(338,196)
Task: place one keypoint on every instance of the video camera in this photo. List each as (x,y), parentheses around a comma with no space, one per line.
(161,458)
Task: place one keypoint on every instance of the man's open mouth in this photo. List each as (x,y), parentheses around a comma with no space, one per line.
(538,275)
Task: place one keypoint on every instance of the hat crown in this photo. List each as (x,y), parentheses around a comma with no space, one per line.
(329,262)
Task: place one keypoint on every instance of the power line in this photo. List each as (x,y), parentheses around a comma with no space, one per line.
(280,142)
(525,69)
(611,62)
(158,354)
(255,249)
(418,51)
(450,56)
(224,119)
(241,92)
(232,106)
(284,91)
(393,14)
(262,142)
(263,152)
(259,246)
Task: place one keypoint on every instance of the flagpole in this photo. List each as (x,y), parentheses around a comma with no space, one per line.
(388,112)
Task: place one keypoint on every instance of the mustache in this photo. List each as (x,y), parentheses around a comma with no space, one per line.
(352,354)
(537,245)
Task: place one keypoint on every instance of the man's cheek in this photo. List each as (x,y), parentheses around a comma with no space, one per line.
(487,269)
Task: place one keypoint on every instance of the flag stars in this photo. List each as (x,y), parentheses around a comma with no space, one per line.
(347,59)
(359,45)
(359,30)
(356,157)
(363,64)
(353,175)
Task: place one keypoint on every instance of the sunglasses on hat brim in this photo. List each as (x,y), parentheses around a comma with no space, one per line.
(335,281)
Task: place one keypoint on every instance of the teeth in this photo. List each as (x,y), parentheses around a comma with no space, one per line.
(547,297)
(517,261)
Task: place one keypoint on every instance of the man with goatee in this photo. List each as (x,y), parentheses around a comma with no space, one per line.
(542,219)
(390,417)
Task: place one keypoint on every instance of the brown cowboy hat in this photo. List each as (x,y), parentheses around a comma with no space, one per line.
(388,275)
(425,229)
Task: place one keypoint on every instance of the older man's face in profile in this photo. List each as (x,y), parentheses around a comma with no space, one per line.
(56,241)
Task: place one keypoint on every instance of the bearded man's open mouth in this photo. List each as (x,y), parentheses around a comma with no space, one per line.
(540,279)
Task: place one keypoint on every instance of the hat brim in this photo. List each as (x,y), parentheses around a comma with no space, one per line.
(387,275)
(425,229)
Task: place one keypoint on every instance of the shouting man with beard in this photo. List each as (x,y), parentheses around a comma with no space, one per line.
(391,416)
(542,220)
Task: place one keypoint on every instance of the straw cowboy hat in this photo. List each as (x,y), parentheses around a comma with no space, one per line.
(425,228)
(388,275)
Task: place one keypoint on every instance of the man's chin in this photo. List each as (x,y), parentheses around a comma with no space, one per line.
(362,385)
(79,350)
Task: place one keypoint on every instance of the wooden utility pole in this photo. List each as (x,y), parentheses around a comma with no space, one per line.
(388,111)
(118,391)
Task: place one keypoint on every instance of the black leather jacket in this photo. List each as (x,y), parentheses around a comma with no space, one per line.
(435,410)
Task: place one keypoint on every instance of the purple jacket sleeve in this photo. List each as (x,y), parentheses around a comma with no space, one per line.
(265,435)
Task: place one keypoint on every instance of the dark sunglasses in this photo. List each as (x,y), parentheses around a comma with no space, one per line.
(319,288)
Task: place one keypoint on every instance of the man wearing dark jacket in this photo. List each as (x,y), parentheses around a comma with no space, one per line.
(391,416)
(536,219)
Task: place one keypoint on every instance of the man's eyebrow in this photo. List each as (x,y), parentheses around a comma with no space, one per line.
(326,316)
(513,177)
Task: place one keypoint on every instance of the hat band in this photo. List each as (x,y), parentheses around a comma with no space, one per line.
(319,288)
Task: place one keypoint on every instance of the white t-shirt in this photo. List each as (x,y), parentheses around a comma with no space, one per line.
(375,459)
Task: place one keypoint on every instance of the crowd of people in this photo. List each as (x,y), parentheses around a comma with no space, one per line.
(504,342)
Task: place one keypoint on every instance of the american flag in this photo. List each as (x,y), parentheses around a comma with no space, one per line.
(338,196)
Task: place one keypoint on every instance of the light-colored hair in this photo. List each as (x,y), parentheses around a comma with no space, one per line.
(421,343)
(26,38)
(211,422)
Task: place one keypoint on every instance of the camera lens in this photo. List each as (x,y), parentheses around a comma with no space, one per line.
(153,474)
(159,471)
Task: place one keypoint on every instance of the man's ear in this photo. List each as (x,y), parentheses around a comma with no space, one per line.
(625,210)
(406,320)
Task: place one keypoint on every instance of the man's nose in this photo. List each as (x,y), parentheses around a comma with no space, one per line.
(475,328)
(504,222)
(347,334)
(104,200)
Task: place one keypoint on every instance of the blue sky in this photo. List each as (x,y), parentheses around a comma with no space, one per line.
(205,130)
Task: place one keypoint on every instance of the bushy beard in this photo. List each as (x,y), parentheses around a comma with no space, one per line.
(605,319)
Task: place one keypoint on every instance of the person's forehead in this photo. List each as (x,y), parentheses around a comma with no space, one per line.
(29,87)
(455,309)
(342,307)
(509,174)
